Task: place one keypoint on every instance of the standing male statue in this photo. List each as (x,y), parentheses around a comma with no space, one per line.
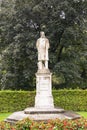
(42,47)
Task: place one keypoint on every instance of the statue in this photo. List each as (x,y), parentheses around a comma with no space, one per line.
(42,45)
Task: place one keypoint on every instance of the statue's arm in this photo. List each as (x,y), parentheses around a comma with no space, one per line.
(48,44)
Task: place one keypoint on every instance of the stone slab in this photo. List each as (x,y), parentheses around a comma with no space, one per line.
(71,115)
(34,110)
(43,71)
(17,116)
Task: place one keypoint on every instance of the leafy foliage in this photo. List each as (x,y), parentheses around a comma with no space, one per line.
(27,124)
(65,24)
(67,99)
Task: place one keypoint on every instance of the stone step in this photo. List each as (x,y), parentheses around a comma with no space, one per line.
(43,110)
(17,116)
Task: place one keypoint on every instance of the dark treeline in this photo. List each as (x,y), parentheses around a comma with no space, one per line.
(65,25)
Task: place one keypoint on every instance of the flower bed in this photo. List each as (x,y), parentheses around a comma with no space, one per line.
(27,124)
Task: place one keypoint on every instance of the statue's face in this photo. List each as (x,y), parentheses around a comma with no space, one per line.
(42,34)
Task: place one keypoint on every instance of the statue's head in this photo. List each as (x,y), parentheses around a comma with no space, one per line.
(42,34)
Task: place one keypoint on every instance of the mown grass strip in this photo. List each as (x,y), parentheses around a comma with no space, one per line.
(4,115)
(84,114)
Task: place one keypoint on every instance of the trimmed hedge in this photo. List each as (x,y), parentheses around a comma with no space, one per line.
(11,101)
(75,100)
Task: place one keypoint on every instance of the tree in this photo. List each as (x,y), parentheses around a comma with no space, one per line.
(18,64)
(65,25)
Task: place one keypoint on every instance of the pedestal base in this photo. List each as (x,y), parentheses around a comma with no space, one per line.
(42,115)
(44,98)
(44,106)
(34,110)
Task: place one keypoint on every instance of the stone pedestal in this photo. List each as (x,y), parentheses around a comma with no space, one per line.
(44,98)
(44,107)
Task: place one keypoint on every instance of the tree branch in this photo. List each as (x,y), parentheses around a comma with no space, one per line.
(60,52)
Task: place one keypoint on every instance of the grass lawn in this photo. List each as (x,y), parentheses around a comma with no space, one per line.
(4,115)
(84,114)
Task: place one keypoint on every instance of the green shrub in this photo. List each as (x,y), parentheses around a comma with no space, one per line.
(71,99)
(6,126)
(27,124)
(11,101)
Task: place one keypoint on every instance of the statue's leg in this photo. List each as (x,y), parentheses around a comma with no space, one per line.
(46,64)
(40,64)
